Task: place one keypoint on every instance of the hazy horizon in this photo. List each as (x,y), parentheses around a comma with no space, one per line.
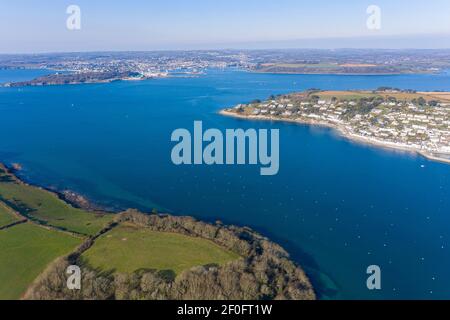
(276,46)
(204,25)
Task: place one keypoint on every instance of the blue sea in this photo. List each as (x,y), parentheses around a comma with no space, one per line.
(336,206)
(16,75)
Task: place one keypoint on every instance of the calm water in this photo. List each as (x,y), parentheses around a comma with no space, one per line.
(336,206)
(21,75)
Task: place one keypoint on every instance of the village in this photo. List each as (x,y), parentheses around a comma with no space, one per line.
(394,118)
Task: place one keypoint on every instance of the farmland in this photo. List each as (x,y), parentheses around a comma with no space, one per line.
(6,216)
(55,229)
(25,251)
(131,255)
(399,95)
(46,208)
(128,248)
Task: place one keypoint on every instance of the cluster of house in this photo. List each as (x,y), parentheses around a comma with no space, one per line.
(403,124)
(158,66)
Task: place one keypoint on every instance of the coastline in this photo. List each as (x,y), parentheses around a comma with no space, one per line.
(248,248)
(342,132)
(70,197)
(341,73)
(408,72)
(15,85)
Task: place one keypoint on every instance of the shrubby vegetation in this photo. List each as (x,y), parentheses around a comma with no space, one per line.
(264,270)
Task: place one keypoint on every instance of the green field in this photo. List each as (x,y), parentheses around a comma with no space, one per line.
(6,216)
(346,95)
(408,96)
(25,251)
(304,65)
(128,248)
(48,208)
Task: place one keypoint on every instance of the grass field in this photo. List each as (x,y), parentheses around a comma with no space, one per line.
(25,251)
(47,207)
(6,216)
(302,65)
(128,248)
(348,95)
(443,96)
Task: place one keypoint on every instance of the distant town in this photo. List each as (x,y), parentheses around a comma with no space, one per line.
(402,119)
(92,67)
(76,68)
(406,119)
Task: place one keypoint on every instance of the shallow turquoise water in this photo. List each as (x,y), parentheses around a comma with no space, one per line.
(336,206)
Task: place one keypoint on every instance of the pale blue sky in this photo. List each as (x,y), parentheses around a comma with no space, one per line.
(39,26)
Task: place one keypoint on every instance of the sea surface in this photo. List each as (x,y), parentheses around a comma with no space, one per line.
(336,206)
(16,75)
